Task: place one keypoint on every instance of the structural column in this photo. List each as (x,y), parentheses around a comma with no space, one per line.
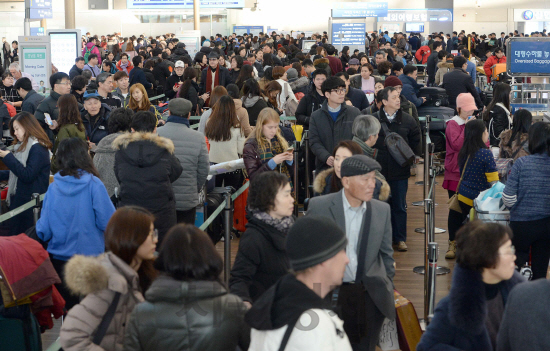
(196,14)
(70,14)
(43,24)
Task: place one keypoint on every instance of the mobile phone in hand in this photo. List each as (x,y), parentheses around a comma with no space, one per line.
(48,119)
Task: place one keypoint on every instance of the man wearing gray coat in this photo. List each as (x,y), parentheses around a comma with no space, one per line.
(190,149)
(368,278)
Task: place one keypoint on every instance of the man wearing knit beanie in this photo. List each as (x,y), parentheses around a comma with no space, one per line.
(293,314)
(366,296)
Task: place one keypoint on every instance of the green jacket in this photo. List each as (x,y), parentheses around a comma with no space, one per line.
(65,132)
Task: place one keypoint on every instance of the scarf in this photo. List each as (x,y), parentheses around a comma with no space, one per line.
(22,158)
(209,81)
(269,152)
(283,225)
(124,65)
(249,101)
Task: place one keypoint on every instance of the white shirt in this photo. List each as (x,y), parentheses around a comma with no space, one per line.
(354,220)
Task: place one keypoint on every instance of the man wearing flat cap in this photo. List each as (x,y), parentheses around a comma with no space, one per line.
(366,296)
(213,75)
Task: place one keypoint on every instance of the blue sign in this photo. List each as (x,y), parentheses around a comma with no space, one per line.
(38,31)
(38,4)
(40,13)
(254,30)
(528,15)
(354,33)
(359,9)
(529,57)
(182,4)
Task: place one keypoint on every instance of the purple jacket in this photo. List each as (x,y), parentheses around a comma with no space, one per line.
(94,51)
(454,134)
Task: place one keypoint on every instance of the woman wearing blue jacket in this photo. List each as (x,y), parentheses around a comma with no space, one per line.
(75,211)
(29,167)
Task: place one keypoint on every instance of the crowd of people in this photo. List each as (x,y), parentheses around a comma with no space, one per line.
(128,171)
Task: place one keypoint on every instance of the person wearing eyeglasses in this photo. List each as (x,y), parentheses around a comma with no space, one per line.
(470,317)
(60,84)
(331,123)
(75,210)
(118,278)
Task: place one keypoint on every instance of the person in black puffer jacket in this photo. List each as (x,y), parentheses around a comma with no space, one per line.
(497,115)
(261,259)
(95,117)
(145,167)
(189,90)
(174,82)
(313,101)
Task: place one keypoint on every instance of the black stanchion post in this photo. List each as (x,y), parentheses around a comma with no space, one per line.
(305,139)
(429,306)
(426,181)
(36,208)
(228,226)
(296,180)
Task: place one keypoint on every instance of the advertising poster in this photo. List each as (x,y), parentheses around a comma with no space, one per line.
(35,63)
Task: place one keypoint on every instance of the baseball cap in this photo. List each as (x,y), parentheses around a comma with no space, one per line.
(179,64)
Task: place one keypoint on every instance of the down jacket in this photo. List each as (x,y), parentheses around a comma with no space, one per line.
(187,315)
(104,161)
(190,149)
(99,279)
(145,167)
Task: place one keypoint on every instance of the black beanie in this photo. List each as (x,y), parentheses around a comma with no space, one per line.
(313,240)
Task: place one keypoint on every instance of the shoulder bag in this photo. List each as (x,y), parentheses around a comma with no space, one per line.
(398,148)
(453,201)
(290,104)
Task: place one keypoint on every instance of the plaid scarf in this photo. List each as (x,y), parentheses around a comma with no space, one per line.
(269,152)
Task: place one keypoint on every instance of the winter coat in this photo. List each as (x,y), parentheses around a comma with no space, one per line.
(233,75)
(358,98)
(172,81)
(410,108)
(404,125)
(187,315)
(145,167)
(75,213)
(261,260)
(459,319)
(31,102)
(322,185)
(454,139)
(104,161)
(285,302)
(242,114)
(457,82)
(190,149)
(193,96)
(254,110)
(500,121)
(31,179)
(137,75)
(442,68)
(125,100)
(228,150)
(65,132)
(151,79)
(323,63)
(335,65)
(410,89)
(48,105)
(128,68)
(74,71)
(99,130)
(491,61)
(325,134)
(224,79)
(161,72)
(95,50)
(507,151)
(99,279)
(308,104)
(299,85)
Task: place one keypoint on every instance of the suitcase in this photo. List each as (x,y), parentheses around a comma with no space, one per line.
(435,96)
(408,326)
(445,113)
(239,214)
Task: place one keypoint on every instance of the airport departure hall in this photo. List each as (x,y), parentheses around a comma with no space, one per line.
(274,175)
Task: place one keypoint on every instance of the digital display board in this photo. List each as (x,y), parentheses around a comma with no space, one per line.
(183,4)
(529,56)
(354,33)
(359,9)
(65,49)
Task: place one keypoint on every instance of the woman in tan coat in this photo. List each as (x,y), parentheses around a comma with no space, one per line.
(126,270)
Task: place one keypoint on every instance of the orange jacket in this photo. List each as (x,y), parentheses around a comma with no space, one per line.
(128,68)
(491,61)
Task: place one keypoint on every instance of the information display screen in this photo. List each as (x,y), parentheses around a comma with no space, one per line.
(65,49)
(359,9)
(530,56)
(414,27)
(183,4)
(354,33)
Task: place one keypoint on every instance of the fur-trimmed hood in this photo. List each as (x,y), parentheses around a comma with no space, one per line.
(321,61)
(298,83)
(382,187)
(124,140)
(467,299)
(143,149)
(86,275)
(445,64)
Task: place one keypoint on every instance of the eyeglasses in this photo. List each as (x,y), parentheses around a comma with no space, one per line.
(339,91)
(66,83)
(510,252)
(155,234)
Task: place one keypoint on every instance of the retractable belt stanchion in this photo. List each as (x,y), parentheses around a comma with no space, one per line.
(305,139)
(228,226)
(433,249)
(296,181)
(426,181)
(36,208)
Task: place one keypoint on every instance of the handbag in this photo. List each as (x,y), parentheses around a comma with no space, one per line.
(453,201)
(504,165)
(398,148)
(291,105)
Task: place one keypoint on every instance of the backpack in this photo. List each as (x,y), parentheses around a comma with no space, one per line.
(88,53)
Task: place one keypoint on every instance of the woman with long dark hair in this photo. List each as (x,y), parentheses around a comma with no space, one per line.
(189,90)
(514,143)
(75,211)
(268,77)
(497,114)
(226,138)
(271,92)
(69,124)
(478,171)
(237,63)
(217,93)
(253,100)
(118,278)
(345,57)
(29,167)
(247,72)
(190,269)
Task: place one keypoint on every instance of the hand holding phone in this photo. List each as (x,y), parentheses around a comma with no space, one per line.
(48,119)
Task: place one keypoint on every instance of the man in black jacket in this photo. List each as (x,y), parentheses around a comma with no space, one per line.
(145,167)
(355,96)
(331,123)
(458,81)
(76,70)
(214,74)
(312,101)
(431,67)
(137,75)
(161,71)
(31,99)
(397,176)
(60,85)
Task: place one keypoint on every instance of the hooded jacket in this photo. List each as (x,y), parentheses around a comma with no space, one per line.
(187,315)
(242,114)
(299,85)
(442,68)
(459,322)
(260,261)
(323,63)
(254,108)
(284,303)
(454,138)
(99,279)
(75,213)
(145,167)
(104,161)
(308,104)
(410,89)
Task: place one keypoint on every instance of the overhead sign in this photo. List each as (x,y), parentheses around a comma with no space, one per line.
(252,30)
(40,13)
(37,31)
(528,56)
(38,4)
(354,34)
(531,15)
(182,4)
(359,9)
(424,15)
